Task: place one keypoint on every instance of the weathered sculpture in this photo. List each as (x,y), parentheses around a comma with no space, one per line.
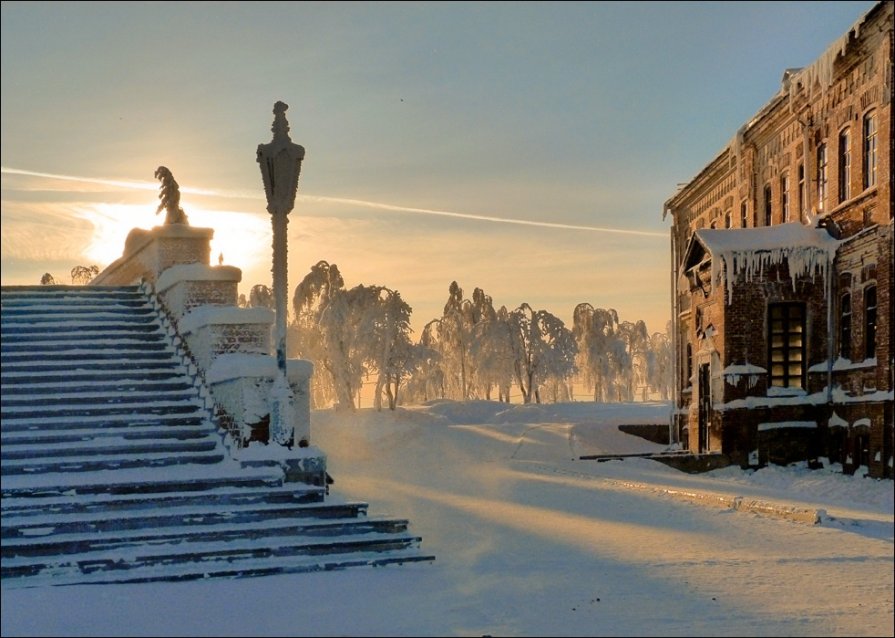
(170,196)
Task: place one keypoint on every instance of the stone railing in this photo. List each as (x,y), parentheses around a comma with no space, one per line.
(231,346)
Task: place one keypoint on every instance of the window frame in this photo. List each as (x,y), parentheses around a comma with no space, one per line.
(791,315)
(844,172)
(822,166)
(869,144)
(845,325)
(870,321)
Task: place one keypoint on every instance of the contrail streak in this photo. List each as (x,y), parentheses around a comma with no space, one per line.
(138,185)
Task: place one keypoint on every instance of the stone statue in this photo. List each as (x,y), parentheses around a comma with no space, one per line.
(170,196)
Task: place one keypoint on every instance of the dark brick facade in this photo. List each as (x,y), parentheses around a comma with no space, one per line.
(805,158)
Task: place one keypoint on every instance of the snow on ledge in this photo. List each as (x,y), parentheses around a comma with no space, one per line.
(786,424)
(807,251)
(777,391)
(196,272)
(237,365)
(210,315)
(837,421)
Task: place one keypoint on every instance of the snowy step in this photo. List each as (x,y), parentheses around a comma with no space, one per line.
(36,523)
(38,386)
(50,302)
(192,538)
(11,378)
(62,290)
(325,557)
(93,410)
(65,313)
(187,478)
(87,356)
(108,447)
(77,320)
(68,423)
(109,462)
(113,329)
(131,433)
(127,366)
(142,504)
(151,343)
(97,397)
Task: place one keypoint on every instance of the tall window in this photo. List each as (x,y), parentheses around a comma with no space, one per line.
(821,176)
(845,326)
(844,167)
(767,205)
(743,218)
(689,364)
(801,192)
(728,219)
(869,154)
(786,345)
(784,197)
(870,322)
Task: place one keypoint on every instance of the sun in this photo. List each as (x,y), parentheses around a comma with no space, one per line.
(243,239)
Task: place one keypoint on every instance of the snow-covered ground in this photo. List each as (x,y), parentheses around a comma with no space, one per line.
(531,541)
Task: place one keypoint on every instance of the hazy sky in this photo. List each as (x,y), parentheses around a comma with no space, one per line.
(576,118)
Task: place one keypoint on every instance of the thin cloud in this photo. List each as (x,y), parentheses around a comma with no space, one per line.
(143,185)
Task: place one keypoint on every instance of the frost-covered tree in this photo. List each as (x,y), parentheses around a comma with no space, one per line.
(634,375)
(309,338)
(543,347)
(595,331)
(454,333)
(661,370)
(83,274)
(388,347)
(260,296)
(492,351)
(47,280)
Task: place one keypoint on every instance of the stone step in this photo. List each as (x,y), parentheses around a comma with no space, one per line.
(158,372)
(116,421)
(104,329)
(95,411)
(216,497)
(82,540)
(152,343)
(10,467)
(96,397)
(87,357)
(16,313)
(109,447)
(75,320)
(82,367)
(108,520)
(130,481)
(109,384)
(130,433)
(331,556)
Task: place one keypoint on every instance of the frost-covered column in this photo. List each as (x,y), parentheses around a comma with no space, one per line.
(280,163)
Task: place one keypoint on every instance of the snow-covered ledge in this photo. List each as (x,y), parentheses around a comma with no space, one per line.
(187,286)
(148,253)
(241,386)
(211,331)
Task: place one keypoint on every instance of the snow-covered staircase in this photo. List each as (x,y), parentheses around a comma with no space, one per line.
(114,471)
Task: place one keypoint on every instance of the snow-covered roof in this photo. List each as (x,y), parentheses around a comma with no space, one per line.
(806,250)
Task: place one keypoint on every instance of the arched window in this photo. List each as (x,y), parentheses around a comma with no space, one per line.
(784,198)
(767,205)
(689,364)
(821,176)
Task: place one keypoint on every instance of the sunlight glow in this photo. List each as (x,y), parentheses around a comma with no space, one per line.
(242,238)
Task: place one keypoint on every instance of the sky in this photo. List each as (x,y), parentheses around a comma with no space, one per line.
(523,148)
(529,541)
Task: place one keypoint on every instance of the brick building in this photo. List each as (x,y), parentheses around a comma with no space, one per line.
(782,270)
